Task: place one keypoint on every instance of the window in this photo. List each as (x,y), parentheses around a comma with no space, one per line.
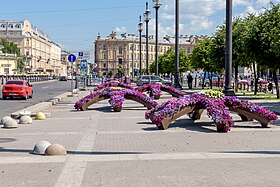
(155,78)
(3,26)
(27,52)
(104,65)
(188,50)
(11,33)
(104,47)
(11,25)
(120,50)
(120,60)
(27,42)
(15,82)
(18,26)
(4,34)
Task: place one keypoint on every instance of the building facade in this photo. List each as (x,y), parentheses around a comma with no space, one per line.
(7,63)
(122,52)
(42,54)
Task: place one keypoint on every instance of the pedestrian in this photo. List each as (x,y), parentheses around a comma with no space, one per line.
(270,87)
(190,80)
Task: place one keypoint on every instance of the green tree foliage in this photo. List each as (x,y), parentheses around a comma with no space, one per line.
(166,62)
(12,48)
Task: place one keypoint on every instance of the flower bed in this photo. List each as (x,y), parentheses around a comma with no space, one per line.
(217,109)
(116,96)
(113,84)
(252,110)
(155,90)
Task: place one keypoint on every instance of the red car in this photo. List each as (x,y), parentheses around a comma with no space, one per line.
(62,78)
(17,88)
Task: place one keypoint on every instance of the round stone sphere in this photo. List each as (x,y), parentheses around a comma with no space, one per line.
(25,120)
(10,124)
(55,149)
(4,119)
(40,116)
(40,147)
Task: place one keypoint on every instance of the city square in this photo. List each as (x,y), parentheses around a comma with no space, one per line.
(150,93)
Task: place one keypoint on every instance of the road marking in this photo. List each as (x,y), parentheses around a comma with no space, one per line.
(45,87)
(74,169)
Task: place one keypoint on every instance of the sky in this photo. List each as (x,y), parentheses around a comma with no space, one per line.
(74,25)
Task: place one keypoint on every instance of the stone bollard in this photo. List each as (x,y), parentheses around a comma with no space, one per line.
(25,120)
(40,116)
(4,119)
(40,147)
(10,124)
(55,149)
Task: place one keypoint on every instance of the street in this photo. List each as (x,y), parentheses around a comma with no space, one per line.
(42,92)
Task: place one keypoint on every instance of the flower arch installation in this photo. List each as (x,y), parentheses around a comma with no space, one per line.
(155,90)
(116,96)
(217,108)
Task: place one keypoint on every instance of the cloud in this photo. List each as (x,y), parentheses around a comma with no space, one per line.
(121,29)
(201,17)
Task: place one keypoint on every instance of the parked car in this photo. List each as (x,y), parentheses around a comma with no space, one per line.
(70,77)
(62,78)
(146,79)
(17,88)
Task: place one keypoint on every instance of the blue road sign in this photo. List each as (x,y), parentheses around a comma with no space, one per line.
(71,58)
(83,67)
(81,53)
(84,60)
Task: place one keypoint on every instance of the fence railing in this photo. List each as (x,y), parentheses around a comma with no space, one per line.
(30,78)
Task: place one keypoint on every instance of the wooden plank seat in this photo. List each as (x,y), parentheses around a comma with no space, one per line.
(167,120)
(244,115)
(96,99)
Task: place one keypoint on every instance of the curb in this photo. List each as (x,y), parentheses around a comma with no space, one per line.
(41,106)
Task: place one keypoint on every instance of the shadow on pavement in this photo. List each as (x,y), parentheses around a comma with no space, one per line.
(103,152)
(15,150)
(74,152)
(5,140)
(253,152)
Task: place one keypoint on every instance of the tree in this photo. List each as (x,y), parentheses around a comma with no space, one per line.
(12,48)
(166,62)
(268,26)
(203,57)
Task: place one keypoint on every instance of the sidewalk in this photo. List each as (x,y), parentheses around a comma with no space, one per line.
(108,148)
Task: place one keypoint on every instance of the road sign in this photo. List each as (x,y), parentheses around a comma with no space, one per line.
(84,55)
(83,60)
(71,58)
(81,54)
(83,67)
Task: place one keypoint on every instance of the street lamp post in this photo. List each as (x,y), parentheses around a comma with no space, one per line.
(147,16)
(228,66)
(157,4)
(140,29)
(176,81)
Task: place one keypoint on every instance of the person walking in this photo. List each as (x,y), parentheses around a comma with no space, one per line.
(190,80)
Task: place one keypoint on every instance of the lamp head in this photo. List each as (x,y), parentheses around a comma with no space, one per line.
(157,3)
(140,25)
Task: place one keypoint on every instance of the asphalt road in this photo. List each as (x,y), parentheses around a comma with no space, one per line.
(42,92)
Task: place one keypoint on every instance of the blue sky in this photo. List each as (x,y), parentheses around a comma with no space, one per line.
(75,24)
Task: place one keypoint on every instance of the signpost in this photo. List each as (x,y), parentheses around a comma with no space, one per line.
(72,59)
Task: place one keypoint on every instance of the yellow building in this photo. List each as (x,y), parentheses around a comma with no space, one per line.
(115,52)
(7,63)
(42,54)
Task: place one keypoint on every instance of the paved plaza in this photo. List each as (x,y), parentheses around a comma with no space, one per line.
(107,148)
